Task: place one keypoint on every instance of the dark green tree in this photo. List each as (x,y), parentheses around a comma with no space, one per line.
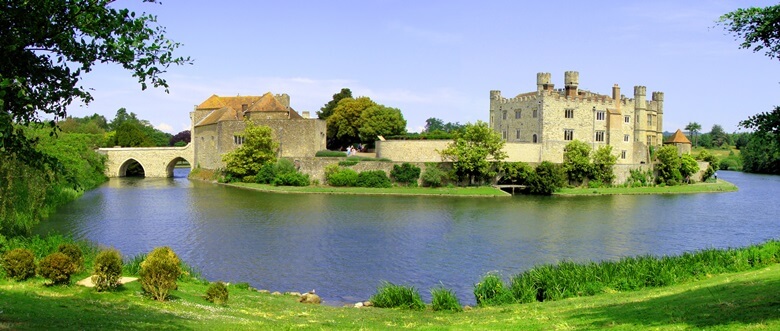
(434,124)
(130,134)
(576,162)
(719,136)
(380,120)
(328,108)
(47,47)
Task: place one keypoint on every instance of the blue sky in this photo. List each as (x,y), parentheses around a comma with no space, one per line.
(441,58)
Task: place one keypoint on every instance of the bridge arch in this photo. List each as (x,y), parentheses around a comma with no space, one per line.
(172,164)
(135,167)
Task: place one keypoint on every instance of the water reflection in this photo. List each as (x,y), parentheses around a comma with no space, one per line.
(343,246)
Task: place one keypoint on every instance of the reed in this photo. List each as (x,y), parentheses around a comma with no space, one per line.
(389,295)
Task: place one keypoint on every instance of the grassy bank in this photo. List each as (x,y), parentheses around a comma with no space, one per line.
(482,191)
(735,301)
(719,186)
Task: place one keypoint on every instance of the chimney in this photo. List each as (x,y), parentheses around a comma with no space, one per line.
(306,114)
(616,92)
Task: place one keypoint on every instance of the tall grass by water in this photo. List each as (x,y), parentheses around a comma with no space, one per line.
(568,279)
(389,295)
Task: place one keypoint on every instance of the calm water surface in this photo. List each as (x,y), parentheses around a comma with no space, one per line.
(343,245)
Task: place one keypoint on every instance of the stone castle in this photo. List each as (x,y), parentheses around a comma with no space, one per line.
(553,117)
(218,122)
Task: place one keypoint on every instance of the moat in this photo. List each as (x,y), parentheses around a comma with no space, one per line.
(343,245)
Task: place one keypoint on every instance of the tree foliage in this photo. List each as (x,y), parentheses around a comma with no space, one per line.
(259,148)
(693,129)
(576,161)
(380,120)
(434,124)
(328,108)
(757,28)
(476,152)
(603,162)
(182,138)
(668,165)
(45,54)
(719,136)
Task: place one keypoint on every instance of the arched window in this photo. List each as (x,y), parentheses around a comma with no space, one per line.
(534,138)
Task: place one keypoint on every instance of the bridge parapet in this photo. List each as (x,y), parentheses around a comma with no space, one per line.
(156,161)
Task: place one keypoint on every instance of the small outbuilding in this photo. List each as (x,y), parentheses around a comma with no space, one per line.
(679,140)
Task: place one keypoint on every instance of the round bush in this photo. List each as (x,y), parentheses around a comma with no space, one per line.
(433,176)
(19,264)
(492,291)
(444,299)
(373,178)
(266,174)
(343,177)
(56,267)
(108,270)
(159,273)
(291,179)
(405,173)
(73,251)
(217,293)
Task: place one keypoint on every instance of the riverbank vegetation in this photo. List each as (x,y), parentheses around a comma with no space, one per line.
(715,288)
(707,187)
(476,191)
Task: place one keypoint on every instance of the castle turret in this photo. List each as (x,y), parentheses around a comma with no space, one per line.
(543,82)
(571,81)
(640,93)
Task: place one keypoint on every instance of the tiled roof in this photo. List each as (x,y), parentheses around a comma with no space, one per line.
(232,108)
(678,138)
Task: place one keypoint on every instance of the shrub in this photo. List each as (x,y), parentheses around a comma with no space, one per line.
(373,178)
(547,178)
(405,173)
(389,295)
(291,179)
(349,162)
(217,293)
(444,299)
(75,254)
(159,273)
(108,270)
(266,174)
(433,176)
(284,166)
(19,264)
(56,267)
(492,291)
(327,153)
(343,177)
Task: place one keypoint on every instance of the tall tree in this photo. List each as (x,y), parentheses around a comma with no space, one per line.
(328,108)
(380,120)
(434,124)
(344,124)
(45,54)
(719,136)
(693,128)
(759,28)
(476,152)
(576,161)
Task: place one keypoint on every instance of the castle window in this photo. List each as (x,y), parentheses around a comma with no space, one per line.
(601,115)
(503,115)
(534,139)
(599,135)
(535,113)
(517,114)
(517,134)
(569,113)
(623,154)
(568,134)
(503,134)
(627,119)
(626,138)
(238,140)
(649,120)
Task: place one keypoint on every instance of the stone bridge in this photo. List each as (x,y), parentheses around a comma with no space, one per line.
(155,161)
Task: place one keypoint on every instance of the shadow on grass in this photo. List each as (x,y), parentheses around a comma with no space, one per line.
(31,311)
(736,303)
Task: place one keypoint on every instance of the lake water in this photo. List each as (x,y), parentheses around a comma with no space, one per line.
(345,245)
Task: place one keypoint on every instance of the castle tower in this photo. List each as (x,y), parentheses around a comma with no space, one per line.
(658,98)
(571,80)
(543,82)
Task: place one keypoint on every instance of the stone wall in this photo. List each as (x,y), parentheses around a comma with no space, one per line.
(315,166)
(411,150)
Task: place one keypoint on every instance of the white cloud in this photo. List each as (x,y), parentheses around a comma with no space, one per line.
(164,127)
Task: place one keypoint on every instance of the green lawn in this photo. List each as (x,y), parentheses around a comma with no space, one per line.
(720,186)
(737,301)
(481,191)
